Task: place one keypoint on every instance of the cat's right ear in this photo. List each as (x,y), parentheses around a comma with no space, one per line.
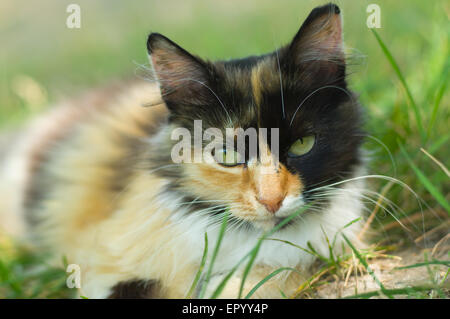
(183,78)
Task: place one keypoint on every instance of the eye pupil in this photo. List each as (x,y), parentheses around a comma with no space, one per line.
(301,146)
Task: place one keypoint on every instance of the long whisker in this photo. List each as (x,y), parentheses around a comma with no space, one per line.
(370,200)
(314,92)
(385,147)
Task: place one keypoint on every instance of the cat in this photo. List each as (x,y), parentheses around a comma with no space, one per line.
(99,185)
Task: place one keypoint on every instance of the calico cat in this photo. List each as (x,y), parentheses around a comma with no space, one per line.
(102,189)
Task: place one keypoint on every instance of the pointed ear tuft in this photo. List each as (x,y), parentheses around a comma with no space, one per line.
(320,37)
(182,77)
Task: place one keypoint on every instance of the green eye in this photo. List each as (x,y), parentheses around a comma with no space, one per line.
(302,146)
(227,158)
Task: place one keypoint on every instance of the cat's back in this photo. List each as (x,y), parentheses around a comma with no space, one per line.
(79,153)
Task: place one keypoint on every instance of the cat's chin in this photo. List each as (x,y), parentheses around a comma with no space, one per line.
(266,225)
(262,224)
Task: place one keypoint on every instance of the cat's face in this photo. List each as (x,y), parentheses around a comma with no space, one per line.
(300,90)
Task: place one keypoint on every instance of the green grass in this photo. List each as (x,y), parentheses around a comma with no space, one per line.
(400,71)
(24,274)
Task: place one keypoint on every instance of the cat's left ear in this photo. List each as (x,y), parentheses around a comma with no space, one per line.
(319,42)
(183,78)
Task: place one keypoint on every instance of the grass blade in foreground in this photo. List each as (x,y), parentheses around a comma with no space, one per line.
(215,252)
(390,292)
(200,269)
(424,264)
(369,270)
(265,279)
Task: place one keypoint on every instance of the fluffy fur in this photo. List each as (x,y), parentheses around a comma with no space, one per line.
(100,187)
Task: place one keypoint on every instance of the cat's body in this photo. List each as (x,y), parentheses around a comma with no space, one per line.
(100,189)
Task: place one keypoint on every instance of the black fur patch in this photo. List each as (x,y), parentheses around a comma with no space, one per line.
(136,289)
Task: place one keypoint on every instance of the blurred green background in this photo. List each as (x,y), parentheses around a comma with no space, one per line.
(43,61)
(37,44)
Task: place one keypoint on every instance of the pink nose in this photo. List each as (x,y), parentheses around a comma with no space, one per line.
(272,204)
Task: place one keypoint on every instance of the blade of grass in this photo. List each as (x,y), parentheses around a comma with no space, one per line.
(426,182)
(311,250)
(322,258)
(396,68)
(283,294)
(311,280)
(330,249)
(344,227)
(438,163)
(249,266)
(294,245)
(437,101)
(265,279)
(200,269)
(390,292)
(364,263)
(445,277)
(425,264)
(214,255)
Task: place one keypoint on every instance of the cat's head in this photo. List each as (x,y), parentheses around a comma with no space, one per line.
(299,89)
